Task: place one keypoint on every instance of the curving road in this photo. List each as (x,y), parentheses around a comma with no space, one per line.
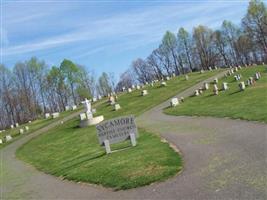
(224,159)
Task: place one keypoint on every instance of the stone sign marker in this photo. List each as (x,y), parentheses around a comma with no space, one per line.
(117,130)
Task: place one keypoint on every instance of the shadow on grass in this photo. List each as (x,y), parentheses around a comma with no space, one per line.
(235,92)
(80,160)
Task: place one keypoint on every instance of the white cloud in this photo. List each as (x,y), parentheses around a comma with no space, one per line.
(134,29)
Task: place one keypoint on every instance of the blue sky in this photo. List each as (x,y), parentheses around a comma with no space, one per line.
(102,35)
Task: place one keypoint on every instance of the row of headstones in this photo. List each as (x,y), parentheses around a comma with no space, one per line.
(8,138)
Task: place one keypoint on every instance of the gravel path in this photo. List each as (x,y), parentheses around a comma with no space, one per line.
(224,159)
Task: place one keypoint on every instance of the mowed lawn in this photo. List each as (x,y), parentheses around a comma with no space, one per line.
(73,153)
(250,104)
(33,126)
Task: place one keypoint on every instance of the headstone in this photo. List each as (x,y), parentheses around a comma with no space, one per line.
(138,87)
(117,130)
(202,71)
(111,100)
(152,84)
(11,126)
(210,69)
(123,89)
(94,99)
(117,107)
(93,110)
(215,81)
(144,93)
(173,74)
(206,86)
(251,81)
(163,84)
(82,116)
(186,77)
(129,90)
(67,108)
(27,128)
(182,99)
(87,107)
(215,89)
(257,76)
(55,115)
(225,86)
(8,138)
(174,102)
(29,122)
(133,86)
(74,107)
(47,115)
(200,91)
(235,69)
(1,141)
(21,131)
(242,86)
(17,125)
(167,78)
(216,67)
(196,92)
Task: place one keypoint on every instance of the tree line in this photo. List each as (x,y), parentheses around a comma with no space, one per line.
(180,52)
(32,88)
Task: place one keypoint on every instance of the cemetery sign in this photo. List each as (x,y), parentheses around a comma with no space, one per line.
(117,130)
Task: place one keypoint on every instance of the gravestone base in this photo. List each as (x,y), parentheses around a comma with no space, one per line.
(92,121)
(108,148)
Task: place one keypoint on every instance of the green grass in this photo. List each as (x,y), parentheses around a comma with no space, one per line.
(33,126)
(250,104)
(74,153)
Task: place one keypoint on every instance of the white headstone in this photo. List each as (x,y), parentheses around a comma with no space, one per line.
(210,69)
(174,102)
(29,122)
(133,86)
(215,89)
(1,141)
(163,83)
(129,90)
(94,99)
(67,108)
(202,71)
(17,125)
(11,126)
(242,86)
(82,116)
(74,107)
(21,131)
(206,86)
(47,115)
(144,93)
(196,92)
(27,128)
(117,106)
(99,97)
(111,100)
(186,77)
(167,78)
(257,76)
(225,86)
(88,108)
(138,87)
(8,138)
(55,115)
(215,81)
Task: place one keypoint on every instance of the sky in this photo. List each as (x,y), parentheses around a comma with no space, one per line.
(103,35)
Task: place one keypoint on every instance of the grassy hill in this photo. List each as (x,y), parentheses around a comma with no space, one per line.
(33,126)
(250,104)
(74,153)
